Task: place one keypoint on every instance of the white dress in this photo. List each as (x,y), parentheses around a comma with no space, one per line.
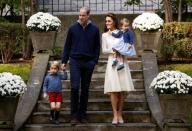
(115,81)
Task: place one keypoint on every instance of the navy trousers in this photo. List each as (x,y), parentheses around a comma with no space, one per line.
(80,73)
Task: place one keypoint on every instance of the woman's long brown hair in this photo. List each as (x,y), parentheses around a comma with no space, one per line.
(115,20)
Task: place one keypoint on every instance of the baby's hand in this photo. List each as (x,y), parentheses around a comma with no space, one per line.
(129,46)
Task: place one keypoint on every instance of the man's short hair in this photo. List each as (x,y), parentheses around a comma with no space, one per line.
(86,8)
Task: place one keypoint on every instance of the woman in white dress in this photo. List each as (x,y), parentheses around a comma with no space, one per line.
(117,83)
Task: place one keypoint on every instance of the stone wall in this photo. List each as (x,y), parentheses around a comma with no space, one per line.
(67,20)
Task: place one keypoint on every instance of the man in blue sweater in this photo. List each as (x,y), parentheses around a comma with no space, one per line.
(82,48)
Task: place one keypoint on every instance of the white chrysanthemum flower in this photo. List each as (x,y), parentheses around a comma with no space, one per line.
(174,82)
(11,85)
(147,22)
(43,22)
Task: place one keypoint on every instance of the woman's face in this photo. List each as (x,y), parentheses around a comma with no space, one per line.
(109,23)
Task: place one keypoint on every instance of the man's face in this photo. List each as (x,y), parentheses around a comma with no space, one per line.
(83,16)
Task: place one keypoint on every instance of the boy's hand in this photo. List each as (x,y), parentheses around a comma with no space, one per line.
(44,95)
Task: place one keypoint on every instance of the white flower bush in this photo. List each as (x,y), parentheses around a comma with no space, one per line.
(148,21)
(172,82)
(11,85)
(43,22)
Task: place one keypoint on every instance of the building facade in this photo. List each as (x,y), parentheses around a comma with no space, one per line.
(98,6)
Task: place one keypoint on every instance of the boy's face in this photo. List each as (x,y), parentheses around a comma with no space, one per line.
(125,26)
(54,69)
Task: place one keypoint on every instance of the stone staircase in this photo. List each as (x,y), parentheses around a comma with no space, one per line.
(137,115)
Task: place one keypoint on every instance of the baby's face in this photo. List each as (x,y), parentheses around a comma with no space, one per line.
(125,26)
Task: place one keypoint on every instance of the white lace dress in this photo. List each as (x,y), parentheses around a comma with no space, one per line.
(115,81)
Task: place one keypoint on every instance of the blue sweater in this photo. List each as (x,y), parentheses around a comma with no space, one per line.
(128,36)
(82,43)
(52,83)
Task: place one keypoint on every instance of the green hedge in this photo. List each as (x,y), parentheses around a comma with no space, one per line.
(17,69)
(176,30)
(177,38)
(3,19)
(184,47)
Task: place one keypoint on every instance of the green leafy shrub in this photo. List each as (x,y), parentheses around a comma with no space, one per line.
(3,19)
(57,52)
(176,30)
(11,40)
(173,34)
(167,50)
(184,48)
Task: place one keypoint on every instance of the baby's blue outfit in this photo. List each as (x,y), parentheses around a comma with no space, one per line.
(126,38)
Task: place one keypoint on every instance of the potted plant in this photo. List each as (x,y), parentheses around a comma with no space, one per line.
(175,94)
(11,87)
(43,28)
(147,28)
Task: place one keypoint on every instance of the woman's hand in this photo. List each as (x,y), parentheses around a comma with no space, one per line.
(110,32)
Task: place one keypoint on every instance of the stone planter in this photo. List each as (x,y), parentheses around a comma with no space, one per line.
(176,108)
(147,41)
(43,40)
(8,106)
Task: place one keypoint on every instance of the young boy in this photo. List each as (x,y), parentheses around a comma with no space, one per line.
(53,88)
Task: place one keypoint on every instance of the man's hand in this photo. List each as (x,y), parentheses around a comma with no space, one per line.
(63,67)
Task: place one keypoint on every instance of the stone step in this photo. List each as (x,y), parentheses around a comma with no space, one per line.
(138,94)
(92,117)
(98,83)
(133,65)
(91,127)
(97,105)
(101,66)
(135,74)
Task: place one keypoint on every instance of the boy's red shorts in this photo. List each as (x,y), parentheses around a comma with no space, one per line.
(55,96)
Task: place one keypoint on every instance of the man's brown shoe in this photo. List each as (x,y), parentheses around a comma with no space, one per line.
(74,121)
(84,120)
